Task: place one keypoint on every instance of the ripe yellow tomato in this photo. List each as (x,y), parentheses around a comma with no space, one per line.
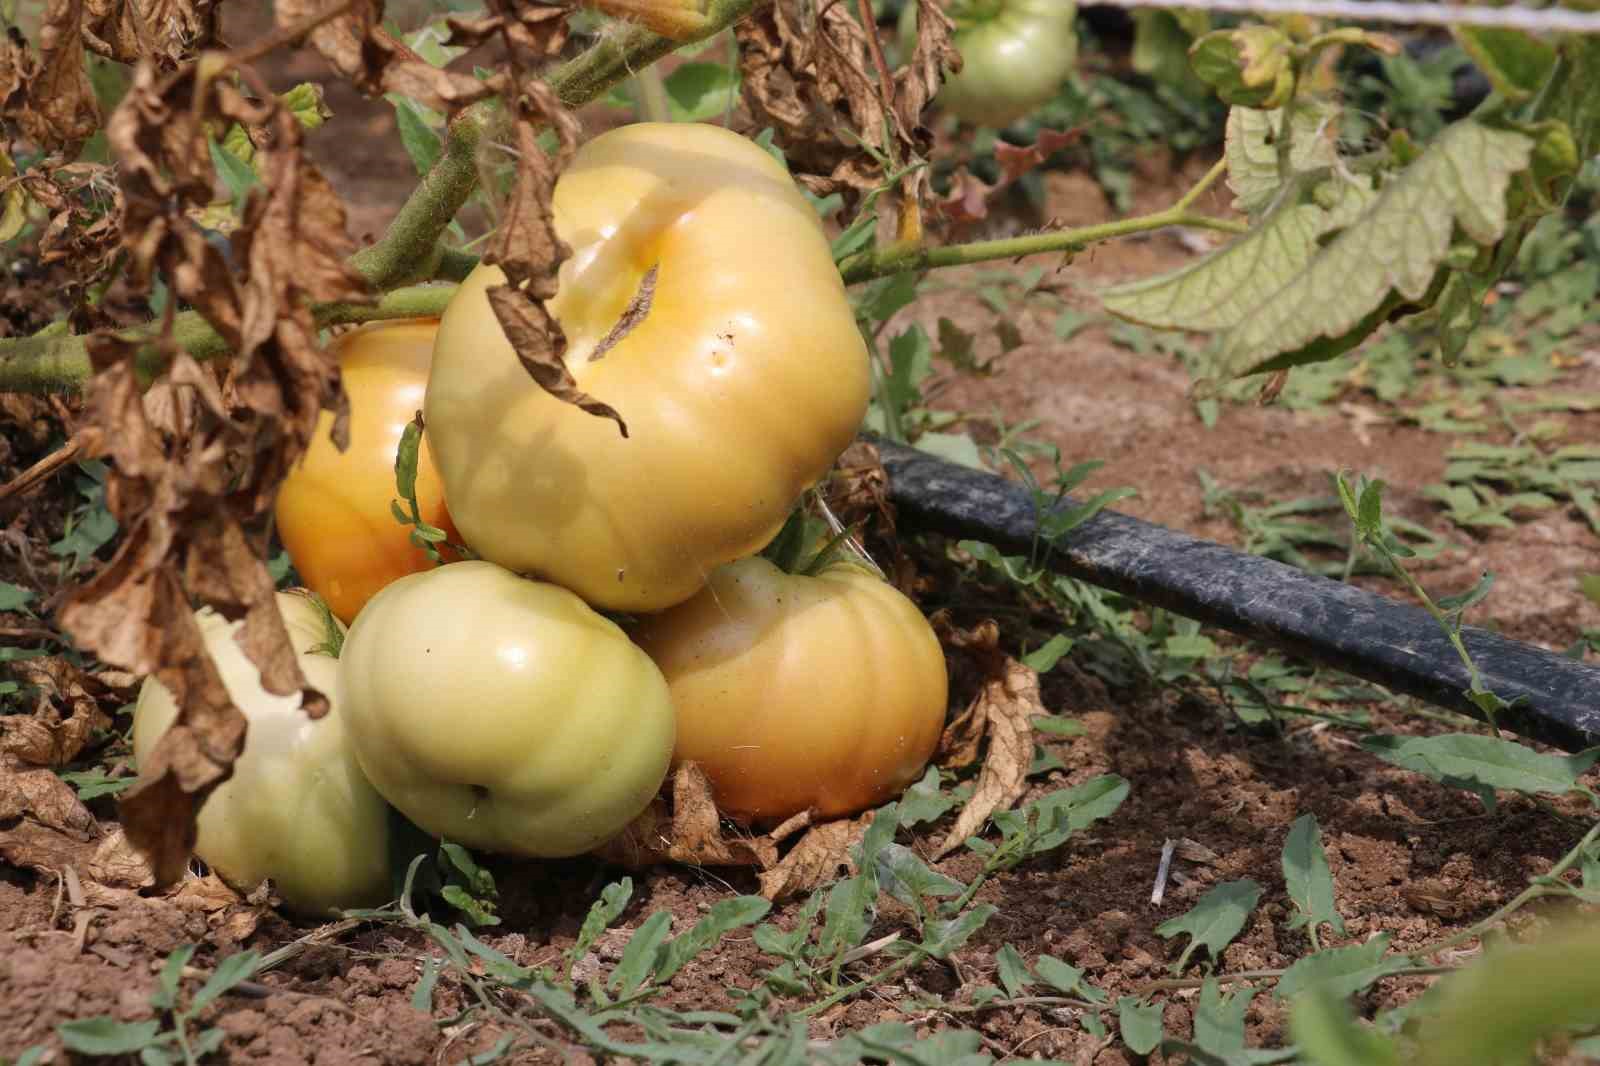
(792,692)
(333,510)
(741,385)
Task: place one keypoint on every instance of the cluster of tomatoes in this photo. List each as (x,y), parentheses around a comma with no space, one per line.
(490,700)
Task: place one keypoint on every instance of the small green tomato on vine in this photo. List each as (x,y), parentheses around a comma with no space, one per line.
(1015,55)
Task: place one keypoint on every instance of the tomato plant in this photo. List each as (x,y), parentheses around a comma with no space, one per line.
(298,809)
(333,511)
(503,713)
(797,692)
(744,380)
(1015,55)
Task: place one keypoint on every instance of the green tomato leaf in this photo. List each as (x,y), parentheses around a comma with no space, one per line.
(1252,153)
(1042,660)
(1214,921)
(924,802)
(1341,971)
(417,135)
(13,202)
(1140,1024)
(13,597)
(1482,764)
(1219,1020)
(701,91)
(941,937)
(1387,256)
(1249,67)
(1306,875)
(904,875)
(640,954)
(1327,1035)
(1065,978)
(165,997)
(236,173)
(605,910)
(1228,287)
(1516,63)
(1012,971)
(725,915)
(107,1036)
(229,972)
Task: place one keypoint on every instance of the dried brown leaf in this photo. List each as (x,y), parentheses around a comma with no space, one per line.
(65,715)
(117,863)
(49,94)
(1006,706)
(167,32)
(815,859)
(197,460)
(43,824)
(689,832)
(968,198)
(206,894)
(1017,160)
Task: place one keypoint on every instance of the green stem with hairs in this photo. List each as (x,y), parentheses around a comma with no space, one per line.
(896,259)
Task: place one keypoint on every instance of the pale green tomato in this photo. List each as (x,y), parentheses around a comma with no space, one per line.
(1015,55)
(502,713)
(297,809)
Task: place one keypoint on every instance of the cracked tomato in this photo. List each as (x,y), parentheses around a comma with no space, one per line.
(741,381)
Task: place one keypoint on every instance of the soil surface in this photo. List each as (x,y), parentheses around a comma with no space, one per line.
(1410,859)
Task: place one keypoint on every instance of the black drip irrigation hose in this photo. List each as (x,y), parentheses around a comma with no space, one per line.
(1396,645)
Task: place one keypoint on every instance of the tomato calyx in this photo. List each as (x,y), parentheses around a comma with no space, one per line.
(809,544)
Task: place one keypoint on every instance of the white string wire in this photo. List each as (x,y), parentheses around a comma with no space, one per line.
(1534,20)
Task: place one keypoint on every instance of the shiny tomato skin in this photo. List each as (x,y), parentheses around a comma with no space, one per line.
(334,511)
(795,693)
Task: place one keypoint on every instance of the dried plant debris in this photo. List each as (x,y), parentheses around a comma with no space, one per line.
(196,460)
(811,73)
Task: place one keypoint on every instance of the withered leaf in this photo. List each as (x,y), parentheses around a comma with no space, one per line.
(1006,707)
(529,252)
(1017,160)
(166,32)
(808,72)
(539,344)
(50,95)
(690,832)
(998,723)
(117,863)
(197,460)
(65,716)
(816,858)
(43,824)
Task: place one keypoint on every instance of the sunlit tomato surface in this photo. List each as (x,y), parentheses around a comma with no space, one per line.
(503,713)
(796,692)
(334,510)
(1015,56)
(298,809)
(744,381)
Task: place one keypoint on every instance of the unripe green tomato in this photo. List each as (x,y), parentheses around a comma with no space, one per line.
(502,713)
(796,693)
(1015,55)
(297,809)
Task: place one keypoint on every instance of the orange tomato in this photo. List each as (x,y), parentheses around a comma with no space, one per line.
(333,511)
(795,693)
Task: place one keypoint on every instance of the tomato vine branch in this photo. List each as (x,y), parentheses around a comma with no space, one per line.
(881,262)
(409,250)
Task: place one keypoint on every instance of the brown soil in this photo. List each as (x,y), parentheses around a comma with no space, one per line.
(1409,858)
